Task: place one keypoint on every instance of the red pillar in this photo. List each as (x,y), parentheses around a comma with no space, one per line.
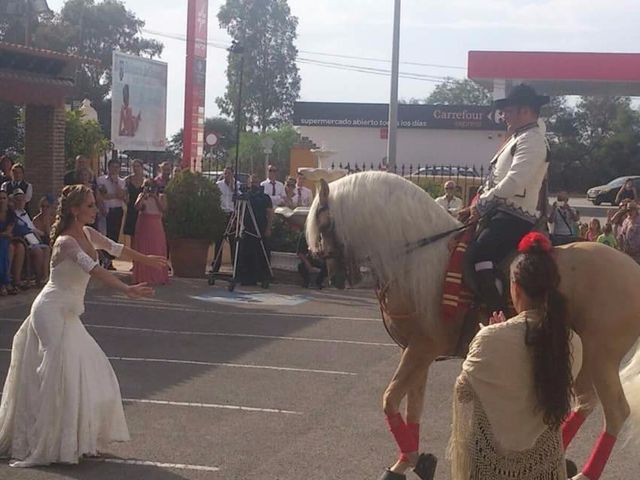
(195,82)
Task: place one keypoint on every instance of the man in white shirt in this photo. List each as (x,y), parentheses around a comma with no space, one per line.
(114,194)
(273,187)
(449,201)
(302,196)
(227,188)
(17,182)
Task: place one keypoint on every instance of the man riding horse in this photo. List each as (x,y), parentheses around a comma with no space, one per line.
(509,202)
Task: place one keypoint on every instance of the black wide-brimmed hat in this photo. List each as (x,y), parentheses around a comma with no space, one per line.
(522,95)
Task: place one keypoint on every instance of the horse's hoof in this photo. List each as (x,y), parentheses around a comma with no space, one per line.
(572,469)
(389,475)
(426,466)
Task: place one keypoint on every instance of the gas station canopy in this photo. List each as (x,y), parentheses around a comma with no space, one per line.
(557,73)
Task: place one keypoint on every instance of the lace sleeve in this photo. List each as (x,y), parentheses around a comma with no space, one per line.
(66,247)
(100,242)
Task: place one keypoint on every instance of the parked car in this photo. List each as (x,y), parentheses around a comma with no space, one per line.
(607,193)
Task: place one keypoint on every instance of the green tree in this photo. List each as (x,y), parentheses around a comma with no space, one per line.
(593,142)
(83,137)
(459,92)
(271,84)
(251,158)
(11,133)
(95,30)
(226,132)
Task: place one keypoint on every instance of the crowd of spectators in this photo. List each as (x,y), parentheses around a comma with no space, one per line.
(25,249)
(134,206)
(620,231)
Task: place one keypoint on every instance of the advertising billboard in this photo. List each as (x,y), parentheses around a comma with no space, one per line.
(138,103)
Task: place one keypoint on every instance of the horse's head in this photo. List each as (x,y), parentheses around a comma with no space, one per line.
(330,249)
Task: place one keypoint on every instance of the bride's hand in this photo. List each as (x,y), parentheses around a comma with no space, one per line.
(156,261)
(139,290)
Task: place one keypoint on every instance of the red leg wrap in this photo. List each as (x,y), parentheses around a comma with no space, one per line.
(414,428)
(599,456)
(571,426)
(401,433)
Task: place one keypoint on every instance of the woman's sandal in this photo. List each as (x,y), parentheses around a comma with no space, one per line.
(11,290)
(3,291)
(426,466)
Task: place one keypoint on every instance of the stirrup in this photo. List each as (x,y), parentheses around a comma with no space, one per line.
(389,475)
(426,466)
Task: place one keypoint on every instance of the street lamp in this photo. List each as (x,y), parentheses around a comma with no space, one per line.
(393,103)
(238,49)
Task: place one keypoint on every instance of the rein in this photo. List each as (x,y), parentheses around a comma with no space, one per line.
(423,242)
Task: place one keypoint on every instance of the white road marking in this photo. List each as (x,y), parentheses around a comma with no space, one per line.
(207,405)
(259,315)
(221,364)
(236,335)
(245,335)
(147,463)
(210,405)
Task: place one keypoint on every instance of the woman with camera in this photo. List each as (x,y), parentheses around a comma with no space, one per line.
(149,233)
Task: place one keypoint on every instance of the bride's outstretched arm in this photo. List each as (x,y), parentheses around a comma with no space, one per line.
(155,261)
(134,291)
(101,242)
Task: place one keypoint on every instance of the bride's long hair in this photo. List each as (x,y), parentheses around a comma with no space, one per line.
(72,196)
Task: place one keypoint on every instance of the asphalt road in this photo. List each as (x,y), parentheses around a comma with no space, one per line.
(278,384)
(588,210)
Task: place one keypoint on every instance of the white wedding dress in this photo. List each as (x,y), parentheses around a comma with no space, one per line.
(61,398)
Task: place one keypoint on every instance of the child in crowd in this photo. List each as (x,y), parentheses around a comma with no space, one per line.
(607,236)
(594,230)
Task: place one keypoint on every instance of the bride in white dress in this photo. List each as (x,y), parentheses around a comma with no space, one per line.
(61,399)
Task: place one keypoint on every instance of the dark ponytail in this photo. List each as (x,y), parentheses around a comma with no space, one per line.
(536,273)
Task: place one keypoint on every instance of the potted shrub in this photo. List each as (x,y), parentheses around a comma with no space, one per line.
(194,220)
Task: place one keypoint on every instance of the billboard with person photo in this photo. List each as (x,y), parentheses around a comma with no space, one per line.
(138,103)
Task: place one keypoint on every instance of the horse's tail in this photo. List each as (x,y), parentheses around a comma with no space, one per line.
(630,376)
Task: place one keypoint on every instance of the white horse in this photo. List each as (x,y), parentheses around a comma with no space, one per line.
(371,217)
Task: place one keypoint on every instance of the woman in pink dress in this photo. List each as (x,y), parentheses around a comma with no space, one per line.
(149,237)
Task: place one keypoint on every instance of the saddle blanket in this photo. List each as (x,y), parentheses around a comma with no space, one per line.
(456,297)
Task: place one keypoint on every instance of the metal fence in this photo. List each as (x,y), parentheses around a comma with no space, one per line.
(430,177)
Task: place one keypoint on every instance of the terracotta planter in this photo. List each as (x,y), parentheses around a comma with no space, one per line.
(189,257)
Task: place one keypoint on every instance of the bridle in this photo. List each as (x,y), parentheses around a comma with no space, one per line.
(329,230)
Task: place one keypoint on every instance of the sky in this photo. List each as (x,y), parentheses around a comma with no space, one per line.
(436,33)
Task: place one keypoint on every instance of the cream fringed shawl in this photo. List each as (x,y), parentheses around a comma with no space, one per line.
(498,431)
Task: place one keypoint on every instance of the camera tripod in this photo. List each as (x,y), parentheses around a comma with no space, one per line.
(236,231)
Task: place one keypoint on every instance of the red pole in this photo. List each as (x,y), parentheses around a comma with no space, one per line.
(195,82)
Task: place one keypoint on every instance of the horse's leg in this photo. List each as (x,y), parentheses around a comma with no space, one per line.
(410,376)
(606,379)
(413,414)
(586,401)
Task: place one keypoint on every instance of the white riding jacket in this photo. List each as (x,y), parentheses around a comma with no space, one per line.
(516,175)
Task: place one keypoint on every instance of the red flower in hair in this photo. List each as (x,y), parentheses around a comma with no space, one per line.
(534,242)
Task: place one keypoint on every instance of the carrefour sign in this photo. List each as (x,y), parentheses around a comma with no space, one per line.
(375,115)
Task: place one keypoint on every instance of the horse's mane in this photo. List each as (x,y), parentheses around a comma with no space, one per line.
(376,214)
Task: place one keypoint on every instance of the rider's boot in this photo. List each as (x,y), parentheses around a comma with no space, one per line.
(488,287)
